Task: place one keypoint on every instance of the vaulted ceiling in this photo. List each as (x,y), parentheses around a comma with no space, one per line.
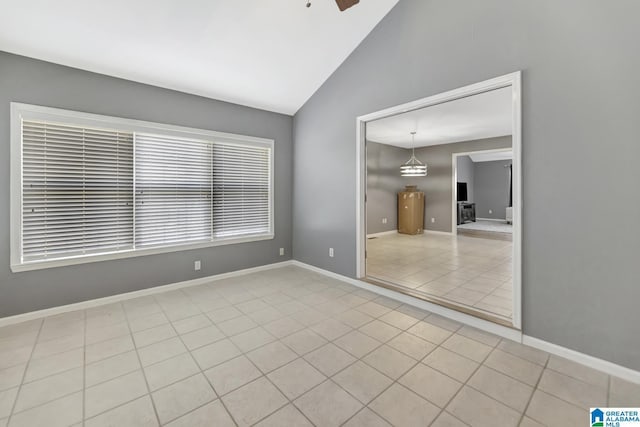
(269,54)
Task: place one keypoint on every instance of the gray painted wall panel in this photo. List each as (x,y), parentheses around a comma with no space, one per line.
(581,100)
(465,173)
(492,189)
(383,183)
(36,82)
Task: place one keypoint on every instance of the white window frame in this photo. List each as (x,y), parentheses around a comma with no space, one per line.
(20,112)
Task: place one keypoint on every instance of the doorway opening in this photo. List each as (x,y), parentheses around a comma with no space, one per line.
(440,236)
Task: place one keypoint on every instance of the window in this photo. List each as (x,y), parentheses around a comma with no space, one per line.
(88,187)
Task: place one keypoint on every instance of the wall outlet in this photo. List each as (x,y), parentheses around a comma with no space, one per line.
(433,220)
(281,251)
(197,265)
(384,220)
(490,211)
(331,252)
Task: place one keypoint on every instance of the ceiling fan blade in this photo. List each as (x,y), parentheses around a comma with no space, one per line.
(346,4)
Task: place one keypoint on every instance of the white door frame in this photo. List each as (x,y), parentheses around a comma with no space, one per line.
(454,181)
(512,80)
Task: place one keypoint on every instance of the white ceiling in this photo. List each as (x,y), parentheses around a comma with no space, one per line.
(270,54)
(485,115)
(492,156)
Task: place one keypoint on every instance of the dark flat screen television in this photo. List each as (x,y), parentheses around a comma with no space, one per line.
(462,192)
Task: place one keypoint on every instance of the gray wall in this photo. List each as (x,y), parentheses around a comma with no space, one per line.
(465,173)
(41,83)
(492,189)
(581,102)
(383,183)
(437,185)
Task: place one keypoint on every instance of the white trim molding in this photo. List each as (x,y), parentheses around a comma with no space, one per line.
(83,305)
(584,359)
(512,80)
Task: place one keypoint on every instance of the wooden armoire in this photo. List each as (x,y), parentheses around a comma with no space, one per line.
(410,211)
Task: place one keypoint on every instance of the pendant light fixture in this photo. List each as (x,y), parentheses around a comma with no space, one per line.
(413,167)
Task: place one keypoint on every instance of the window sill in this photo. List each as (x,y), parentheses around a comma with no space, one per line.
(63,262)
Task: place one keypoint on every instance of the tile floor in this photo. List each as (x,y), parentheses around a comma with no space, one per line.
(284,347)
(467,271)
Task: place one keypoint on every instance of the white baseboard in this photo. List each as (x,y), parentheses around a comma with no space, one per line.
(584,359)
(446,233)
(492,219)
(466,319)
(135,294)
(382,233)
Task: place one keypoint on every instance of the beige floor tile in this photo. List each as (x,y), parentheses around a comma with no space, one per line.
(223,314)
(513,366)
(113,393)
(105,349)
(429,332)
(254,401)
(49,388)
(58,345)
(309,317)
(451,364)
(502,388)
(177,399)
(103,333)
(357,343)
(149,321)
(59,413)
(411,345)
(578,371)
(552,411)
(373,309)
(362,381)
(445,419)
(531,354)
(327,405)
(266,315)
(170,371)
(153,335)
(354,318)
(252,306)
(366,418)
(11,377)
(480,336)
(212,414)
(528,422)
(399,320)
(237,325)
(232,374)
(389,361)
(252,339)
(467,347)
(443,322)
(54,364)
(271,356)
(288,416)
(432,385)
(7,399)
(573,391)
(381,331)
(402,407)
(161,351)
(140,413)
(216,353)
(331,329)
(201,337)
(329,359)
(110,368)
(304,341)
(477,409)
(296,378)
(283,327)
(623,387)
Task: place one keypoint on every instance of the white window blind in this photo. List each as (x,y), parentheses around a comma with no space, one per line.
(241,189)
(77,190)
(86,187)
(173,191)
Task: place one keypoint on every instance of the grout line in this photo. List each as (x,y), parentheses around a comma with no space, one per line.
(24,374)
(535,388)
